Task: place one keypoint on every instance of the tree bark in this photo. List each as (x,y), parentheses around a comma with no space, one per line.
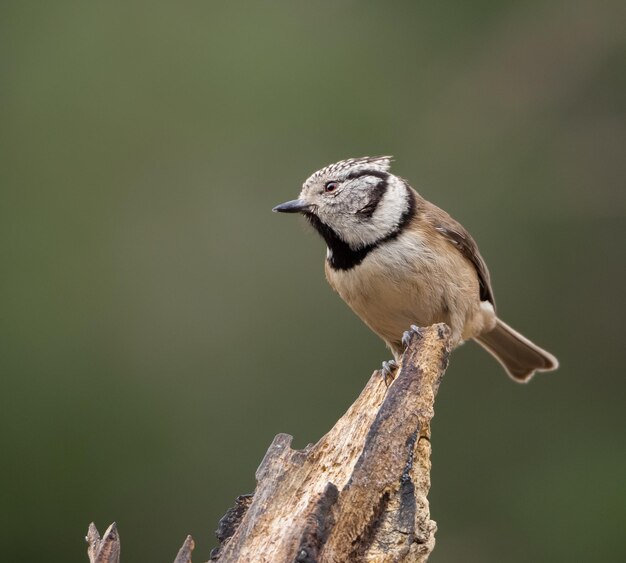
(358,495)
(105,549)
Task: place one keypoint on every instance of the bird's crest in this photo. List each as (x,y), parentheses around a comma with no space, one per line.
(352,166)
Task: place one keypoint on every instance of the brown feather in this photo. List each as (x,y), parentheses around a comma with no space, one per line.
(458,236)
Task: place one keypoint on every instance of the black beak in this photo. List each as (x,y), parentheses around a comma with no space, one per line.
(294,206)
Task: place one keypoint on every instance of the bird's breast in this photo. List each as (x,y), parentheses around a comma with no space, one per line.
(393,287)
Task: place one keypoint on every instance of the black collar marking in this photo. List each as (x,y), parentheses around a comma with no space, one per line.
(342,256)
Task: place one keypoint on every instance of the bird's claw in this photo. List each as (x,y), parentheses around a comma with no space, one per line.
(406,337)
(388,371)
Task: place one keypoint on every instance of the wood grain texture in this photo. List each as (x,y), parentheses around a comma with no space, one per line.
(358,496)
(105,549)
(360,493)
(184,553)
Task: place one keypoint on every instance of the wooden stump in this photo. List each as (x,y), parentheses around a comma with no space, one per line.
(104,549)
(107,548)
(359,494)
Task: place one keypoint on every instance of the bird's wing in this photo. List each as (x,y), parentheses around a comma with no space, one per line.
(456,234)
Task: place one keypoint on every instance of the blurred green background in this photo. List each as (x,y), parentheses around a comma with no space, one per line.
(159,325)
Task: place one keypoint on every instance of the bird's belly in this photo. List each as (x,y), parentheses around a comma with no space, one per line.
(389,310)
(390,300)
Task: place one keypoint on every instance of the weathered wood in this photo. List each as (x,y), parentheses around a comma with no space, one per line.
(105,549)
(358,495)
(184,553)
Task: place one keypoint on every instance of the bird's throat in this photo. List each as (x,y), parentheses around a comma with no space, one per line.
(342,256)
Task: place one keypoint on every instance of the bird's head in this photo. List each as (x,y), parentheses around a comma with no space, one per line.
(356,201)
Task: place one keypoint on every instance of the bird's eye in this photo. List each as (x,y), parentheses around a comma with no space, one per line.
(331,186)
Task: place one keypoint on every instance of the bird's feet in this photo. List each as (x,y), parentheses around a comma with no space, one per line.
(406,337)
(388,371)
(390,368)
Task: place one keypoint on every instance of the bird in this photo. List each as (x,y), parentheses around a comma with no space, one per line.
(399,261)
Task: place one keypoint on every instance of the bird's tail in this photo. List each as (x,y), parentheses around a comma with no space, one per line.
(518,355)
